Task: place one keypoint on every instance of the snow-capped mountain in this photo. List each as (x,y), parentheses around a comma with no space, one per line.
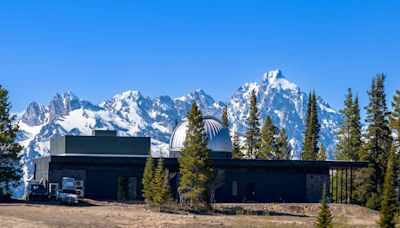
(132,114)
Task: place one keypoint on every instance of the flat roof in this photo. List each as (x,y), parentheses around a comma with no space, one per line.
(244,163)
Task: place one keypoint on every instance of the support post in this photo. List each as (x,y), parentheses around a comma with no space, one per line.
(346,195)
(351,185)
(337,184)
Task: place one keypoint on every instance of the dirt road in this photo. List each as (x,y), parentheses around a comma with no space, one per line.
(103,214)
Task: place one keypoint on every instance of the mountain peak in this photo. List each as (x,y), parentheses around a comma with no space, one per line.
(130,94)
(273,75)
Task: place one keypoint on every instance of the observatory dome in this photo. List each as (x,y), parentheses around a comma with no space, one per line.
(219,140)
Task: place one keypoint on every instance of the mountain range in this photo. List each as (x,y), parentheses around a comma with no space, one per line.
(132,114)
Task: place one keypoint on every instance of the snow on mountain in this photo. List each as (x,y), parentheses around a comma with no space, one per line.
(132,114)
(286,104)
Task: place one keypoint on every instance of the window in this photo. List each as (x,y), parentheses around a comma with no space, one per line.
(234,188)
(127,188)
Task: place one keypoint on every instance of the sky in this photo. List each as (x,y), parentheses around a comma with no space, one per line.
(101,48)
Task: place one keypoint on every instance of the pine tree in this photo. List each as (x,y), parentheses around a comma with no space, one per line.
(324,219)
(394,118)
(236,149)
(253,128)
(194,164)
(10,169)
(377,147)
(283,149)
(322,153)
(160,186)
(355,131)
(349,132)
(225,119)
(311,136)
(147,180)
(389,205)
(268,141)
(343,149)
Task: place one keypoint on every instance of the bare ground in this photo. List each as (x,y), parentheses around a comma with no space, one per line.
(116,214)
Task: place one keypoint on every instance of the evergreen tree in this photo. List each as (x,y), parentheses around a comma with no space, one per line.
(343,148)
(10,169)
(349,132)
(322,153)
(394,118)
(147,180)
(253,128)
(225,119)
(194,164)
(377,147)
(268,141)
(160,186)
(311,136)
(355,132)
(236,149)
(389,205)
(283,148)
(324,219)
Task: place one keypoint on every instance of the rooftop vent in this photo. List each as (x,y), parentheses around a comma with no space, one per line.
(107,133)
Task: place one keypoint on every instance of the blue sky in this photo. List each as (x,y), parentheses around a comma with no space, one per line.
(100,48)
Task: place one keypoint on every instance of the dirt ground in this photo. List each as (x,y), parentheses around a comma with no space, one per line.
(116,214)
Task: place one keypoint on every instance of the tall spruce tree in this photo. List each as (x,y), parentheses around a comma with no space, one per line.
(343,148)
(10,168)
(322,153)
(311,136)
(147,180)
(194,164)
(268,140)
(349,133)
(253,128)
(394,118)
(283,149)
(355,131)
(324,219)
(160,186)
(225,118)
(377,147)
(236,149)
(389,205)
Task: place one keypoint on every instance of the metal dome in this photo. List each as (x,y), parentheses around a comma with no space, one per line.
(219,139)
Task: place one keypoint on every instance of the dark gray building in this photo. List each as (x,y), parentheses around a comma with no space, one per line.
(112,167)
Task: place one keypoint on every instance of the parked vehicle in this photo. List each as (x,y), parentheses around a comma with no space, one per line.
(36,191)
(68,196)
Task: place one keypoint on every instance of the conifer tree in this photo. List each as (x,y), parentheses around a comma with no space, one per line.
(160,186)
(324,219)
(311,136)
(389,205)
(10,169)
(322,153)
(349,133)
(268,141)
(394,118)
(355,131)
(253,128)
(283,148)
(194,164)
(236,149)
(225,119)
(147,180)
(377,147)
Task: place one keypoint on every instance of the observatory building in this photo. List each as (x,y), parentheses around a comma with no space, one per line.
(110,167)
(219,140)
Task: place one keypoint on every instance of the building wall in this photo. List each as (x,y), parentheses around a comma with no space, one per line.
(254,184)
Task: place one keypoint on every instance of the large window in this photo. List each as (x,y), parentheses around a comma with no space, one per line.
(127,188)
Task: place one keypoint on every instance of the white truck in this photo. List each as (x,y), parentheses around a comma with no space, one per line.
(68,194)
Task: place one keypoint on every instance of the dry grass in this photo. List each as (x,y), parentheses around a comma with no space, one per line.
(118,214)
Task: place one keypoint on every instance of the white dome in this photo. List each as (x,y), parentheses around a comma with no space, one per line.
(219,139)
